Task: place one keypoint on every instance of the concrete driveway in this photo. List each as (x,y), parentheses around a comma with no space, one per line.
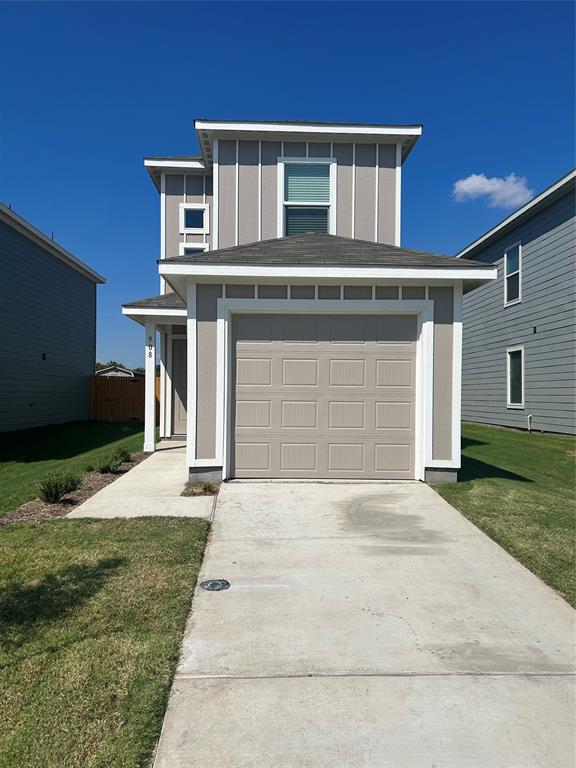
(367,626)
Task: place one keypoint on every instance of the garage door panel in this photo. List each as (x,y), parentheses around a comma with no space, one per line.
(398,415)
(298,457)
(325,407)
(299,414)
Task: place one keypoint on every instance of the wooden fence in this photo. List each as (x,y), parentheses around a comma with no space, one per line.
(118,398)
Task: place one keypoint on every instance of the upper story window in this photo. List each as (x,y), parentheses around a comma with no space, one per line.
(307,196)
(194,219)
(512,274)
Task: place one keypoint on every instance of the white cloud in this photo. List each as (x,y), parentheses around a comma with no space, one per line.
(509,192)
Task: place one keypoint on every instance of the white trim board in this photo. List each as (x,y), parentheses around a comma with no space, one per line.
(309,128)
(423,309)
(229,272)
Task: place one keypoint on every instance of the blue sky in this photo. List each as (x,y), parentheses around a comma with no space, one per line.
(89,89)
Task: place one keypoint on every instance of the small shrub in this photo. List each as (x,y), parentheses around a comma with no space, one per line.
(201,488)
(122,454)
(108,464)
(57,485)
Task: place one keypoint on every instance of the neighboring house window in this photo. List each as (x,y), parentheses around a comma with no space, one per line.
(191,249)
(512,265)
(194,219)
(515,376)
(307,197)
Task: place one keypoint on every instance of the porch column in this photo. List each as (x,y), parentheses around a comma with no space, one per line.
(150,388)
(191,375)
(162,384)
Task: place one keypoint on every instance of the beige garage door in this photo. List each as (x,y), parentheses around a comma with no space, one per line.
(324,396)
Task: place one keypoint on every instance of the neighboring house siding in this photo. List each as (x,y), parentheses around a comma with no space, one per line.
(548,305)
(46,308)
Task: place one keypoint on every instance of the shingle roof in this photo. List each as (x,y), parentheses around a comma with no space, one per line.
(323,250)
(167,301)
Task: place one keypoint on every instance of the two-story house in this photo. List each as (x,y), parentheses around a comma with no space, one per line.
(297,338)
(48,324)
(519,364)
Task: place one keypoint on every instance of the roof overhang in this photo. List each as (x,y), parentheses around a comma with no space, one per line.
(208,130)
(179,275)
(545,198)
(24,227)
(145,315)
(156,166)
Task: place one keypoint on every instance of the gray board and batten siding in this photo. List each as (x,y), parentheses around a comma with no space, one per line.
(248,192)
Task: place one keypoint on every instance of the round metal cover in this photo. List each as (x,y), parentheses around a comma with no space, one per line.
(215,585)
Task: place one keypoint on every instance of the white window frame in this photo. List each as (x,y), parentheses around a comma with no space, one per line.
(200,246)
(506,275)
(514,406)
(205,230)
(281,224)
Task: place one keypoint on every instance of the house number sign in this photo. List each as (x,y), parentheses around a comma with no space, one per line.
(149,346)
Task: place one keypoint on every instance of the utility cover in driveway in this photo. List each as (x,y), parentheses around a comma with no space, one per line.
(324,396)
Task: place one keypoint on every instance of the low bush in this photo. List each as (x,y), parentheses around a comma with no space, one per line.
(122,454)
(108,464)
(57,485)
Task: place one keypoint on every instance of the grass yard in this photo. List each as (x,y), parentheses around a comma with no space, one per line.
(91,618)
(519,488)
(26,457)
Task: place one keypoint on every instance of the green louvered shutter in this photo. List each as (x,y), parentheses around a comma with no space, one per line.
(300,220)
(307,183)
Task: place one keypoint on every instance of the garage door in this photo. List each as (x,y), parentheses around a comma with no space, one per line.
(323,396)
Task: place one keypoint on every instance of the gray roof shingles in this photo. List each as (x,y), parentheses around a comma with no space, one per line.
(167,301)
(315,249)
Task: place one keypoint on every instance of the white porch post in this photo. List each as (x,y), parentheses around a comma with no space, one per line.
(162,384)
(150,388)
(191,375)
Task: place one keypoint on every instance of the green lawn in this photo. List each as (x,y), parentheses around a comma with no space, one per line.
(29,455)
(519,488)
(91,618)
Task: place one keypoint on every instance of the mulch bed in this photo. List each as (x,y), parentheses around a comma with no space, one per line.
(37,510)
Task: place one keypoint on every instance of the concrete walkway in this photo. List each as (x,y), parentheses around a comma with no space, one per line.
(367,626)
(152,487)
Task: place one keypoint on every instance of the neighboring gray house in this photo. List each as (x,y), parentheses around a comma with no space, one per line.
(520,331)
(297,338)
(48,325)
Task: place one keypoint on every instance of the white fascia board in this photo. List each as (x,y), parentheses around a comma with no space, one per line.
(176,164)
(28,230)
(229,271)
(565,181)
(344,130)
(152,311)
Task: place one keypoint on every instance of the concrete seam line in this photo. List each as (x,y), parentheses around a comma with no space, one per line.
(188,676)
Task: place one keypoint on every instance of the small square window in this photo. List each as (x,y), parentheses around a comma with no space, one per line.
(512,268)
(194,218)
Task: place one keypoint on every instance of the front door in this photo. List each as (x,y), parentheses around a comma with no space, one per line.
(179,386)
